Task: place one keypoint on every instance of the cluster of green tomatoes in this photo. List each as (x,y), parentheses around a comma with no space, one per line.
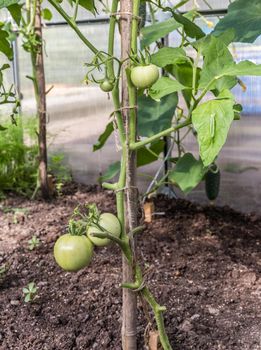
(74,250)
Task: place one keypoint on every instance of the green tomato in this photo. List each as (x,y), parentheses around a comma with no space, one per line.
(73,253)
(109,223)
(106,85)
(144,77)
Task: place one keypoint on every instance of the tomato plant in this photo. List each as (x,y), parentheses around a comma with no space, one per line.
(211,70)
(73,252)
(207,69)
(144,76)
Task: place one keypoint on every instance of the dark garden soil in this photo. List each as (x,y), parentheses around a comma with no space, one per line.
(204,265)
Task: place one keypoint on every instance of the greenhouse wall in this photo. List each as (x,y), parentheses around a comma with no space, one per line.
(77,113)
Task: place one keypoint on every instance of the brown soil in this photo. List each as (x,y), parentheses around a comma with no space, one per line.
(204,264)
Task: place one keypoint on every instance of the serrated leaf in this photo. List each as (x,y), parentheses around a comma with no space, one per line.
(212,121)
(103,137)
(242,68)
(165,86)
(187,173)
(47,14)
(244,17)
(155,116)
(216,57)
(168,55)
(156,31)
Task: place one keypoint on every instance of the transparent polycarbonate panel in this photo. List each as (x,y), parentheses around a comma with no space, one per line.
(82,14)
(203,4)
(77,114)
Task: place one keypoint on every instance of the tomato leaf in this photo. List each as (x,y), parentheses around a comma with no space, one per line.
(149,155)
(245,18)
(183,72)
(89,5)
(112,171)
(156,31)
(16,12)
(187,173)
(165,86)
(47,14)
(5,47)
(190,28)
(220,67)
(242,68)
(168,55)
(216,57)
(212,121)
(155,116)
(7,3)
(103,137)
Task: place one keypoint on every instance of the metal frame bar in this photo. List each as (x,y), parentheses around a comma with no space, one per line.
(106,19)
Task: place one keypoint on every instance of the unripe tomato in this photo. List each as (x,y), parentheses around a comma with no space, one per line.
(109,223)
(73,253)
(106,85)
(144,77)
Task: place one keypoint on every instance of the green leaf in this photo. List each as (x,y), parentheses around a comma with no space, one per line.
(216,57)
(156,31)
(47,14)
(5,47)
(190,28)
(242,68)
(183,72)
(212,121)
(7,3)
(149,155)
(180,3)
(27,298)
(89,5)
(244,17)
(16,12)
(25,290)
(168,55)
(155,116)
(165,86)
(187,173)
(103,137)
(112,171)
(2,128)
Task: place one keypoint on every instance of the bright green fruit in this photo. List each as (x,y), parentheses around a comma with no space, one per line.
(109,223)
(72,252)
(143,77)
(106,85)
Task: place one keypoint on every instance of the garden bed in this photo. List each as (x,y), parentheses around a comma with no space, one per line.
(204,265)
